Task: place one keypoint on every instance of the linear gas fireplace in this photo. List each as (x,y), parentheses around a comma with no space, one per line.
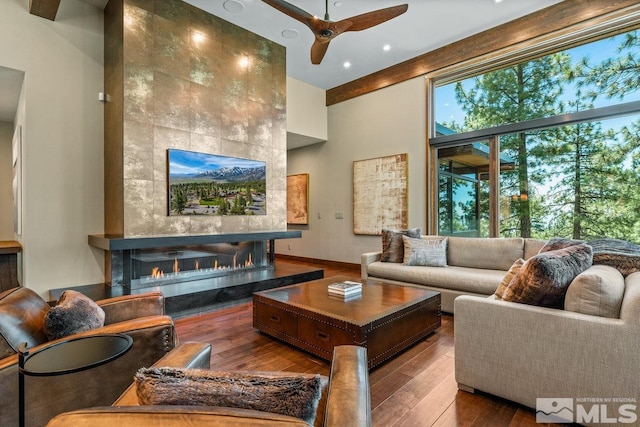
(147,262)
(164,266)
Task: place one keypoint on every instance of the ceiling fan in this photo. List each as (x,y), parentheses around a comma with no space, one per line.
(326,30)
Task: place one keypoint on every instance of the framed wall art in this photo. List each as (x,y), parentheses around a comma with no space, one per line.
(298,199)
(16,148)
(380,194)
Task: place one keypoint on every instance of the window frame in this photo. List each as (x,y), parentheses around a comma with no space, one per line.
(526,51)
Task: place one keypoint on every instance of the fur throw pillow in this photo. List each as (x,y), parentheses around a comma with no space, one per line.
(544,278)
(620,254)
(556,243)
(73,313)
(295,395)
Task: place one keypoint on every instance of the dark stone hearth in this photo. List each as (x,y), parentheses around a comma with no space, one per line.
(188,298)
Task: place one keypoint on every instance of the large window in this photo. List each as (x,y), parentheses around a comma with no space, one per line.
(568,151)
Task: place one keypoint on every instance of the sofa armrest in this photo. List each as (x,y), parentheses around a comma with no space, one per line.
(128,307)
(630,309)
(349,401)
(366,259)
(522,352)
(189,355)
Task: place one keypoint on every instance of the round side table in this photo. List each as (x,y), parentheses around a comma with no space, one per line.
(65,357)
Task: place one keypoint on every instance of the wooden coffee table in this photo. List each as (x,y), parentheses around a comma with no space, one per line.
(386,319)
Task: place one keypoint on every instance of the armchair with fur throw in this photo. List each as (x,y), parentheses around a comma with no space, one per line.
(22,313)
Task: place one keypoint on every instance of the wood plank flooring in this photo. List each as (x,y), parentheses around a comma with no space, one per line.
(416,388)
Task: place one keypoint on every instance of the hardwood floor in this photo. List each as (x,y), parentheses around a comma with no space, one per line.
(416,388)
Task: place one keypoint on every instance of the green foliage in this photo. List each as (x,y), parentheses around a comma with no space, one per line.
(224,198)
(579,181)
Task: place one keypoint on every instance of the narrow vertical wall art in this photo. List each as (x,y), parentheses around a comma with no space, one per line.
(380,194)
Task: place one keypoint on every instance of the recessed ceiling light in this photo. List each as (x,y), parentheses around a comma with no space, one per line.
(233,6)
(338,3)
(290,33)
(197,37)
(347,64)
(386,47)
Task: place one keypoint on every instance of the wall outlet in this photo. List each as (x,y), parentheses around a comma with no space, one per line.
(339,215)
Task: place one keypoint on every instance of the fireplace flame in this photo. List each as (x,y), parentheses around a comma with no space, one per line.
(156,273)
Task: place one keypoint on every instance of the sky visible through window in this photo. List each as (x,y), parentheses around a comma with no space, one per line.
(449,111)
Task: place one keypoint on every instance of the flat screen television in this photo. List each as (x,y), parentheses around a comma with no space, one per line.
(209,184)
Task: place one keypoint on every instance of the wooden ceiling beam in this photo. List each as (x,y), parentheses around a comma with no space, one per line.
(544,21)
(44,8)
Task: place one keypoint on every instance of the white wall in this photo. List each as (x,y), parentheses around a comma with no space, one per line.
(306,114)
(6,179)
(62,123)
(381,123)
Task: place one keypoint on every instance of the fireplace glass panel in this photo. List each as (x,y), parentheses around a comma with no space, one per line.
(169,265)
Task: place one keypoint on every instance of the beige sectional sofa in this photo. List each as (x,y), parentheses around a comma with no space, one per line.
(587,353)
(522,352)
(475,266)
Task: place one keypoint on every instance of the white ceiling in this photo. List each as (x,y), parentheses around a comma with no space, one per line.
(427,25)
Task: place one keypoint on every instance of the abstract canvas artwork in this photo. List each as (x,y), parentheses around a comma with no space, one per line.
(298,199)
(380,194)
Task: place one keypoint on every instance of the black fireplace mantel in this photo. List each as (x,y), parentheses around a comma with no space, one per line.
(119,243)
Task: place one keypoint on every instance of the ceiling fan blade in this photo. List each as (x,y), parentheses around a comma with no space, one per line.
(293,11)
(371,19)
(318,49)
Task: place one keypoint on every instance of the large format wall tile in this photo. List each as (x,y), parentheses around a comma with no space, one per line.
(193,81)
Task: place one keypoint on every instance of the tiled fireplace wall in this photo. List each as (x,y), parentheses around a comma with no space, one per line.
(179,77)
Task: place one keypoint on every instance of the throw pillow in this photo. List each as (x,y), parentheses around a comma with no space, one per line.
(597,291)
(559,243)
(73,313)
(543,279)
(620,254)
(513,271)
(429,252)
(295,395)
(392,245)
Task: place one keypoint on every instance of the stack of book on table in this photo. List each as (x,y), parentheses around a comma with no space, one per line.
(346,289)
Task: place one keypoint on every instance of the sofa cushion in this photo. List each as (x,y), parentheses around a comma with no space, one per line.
(293,395)
(490,253)
(543,279)
(463,279)
(73,313)
(431,252)
(597,291)
(392,245)
(21,320)
(513,271)
(532,247)
(624,256)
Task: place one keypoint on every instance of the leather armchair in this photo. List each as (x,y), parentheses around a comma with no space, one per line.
(22,320)
(348,400)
